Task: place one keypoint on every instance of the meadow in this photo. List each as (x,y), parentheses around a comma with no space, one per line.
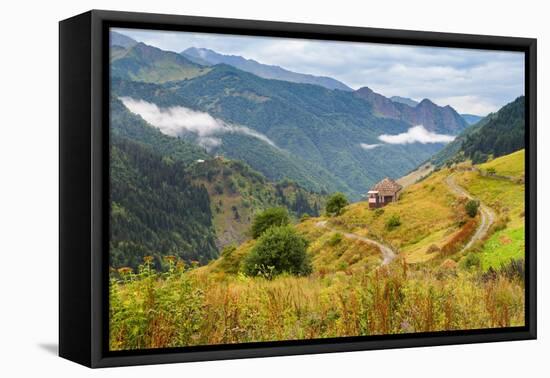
(432,284)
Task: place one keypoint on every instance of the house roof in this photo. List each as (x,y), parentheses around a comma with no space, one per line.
(387,187)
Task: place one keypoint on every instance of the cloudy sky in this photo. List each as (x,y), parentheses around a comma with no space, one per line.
(472,81)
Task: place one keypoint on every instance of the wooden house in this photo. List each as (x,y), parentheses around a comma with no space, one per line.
(384,192)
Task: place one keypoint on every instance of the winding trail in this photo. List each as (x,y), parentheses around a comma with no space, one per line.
(487,214)
(387,253)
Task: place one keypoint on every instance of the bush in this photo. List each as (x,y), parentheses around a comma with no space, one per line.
(304,217)
(218,188)
(275,216)
(336,203)
(378,212)
(491,171)
(335,239)
(278,250)
(471,208)
(471,260)
(393,222)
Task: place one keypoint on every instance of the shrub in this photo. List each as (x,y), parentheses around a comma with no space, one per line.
(460,238)
(218,188)
(471,260)
(491,171)
(378,212)
(335,239)
(393,222)
(336,203)
(304,217)
(275,216)
(471,208)
(278,250)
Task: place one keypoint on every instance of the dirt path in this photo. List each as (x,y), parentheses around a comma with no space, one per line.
(487,214)
(387,253)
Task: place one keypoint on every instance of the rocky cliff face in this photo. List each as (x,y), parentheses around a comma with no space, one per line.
(433,117)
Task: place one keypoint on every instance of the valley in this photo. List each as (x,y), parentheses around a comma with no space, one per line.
(253,203)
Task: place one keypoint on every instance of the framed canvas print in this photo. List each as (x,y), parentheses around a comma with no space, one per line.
(233,188)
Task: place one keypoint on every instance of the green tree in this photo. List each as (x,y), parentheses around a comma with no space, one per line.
(278,250)
(471,208)
(275,216)
(336,203)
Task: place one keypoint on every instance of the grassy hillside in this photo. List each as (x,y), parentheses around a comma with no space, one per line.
(431,286)
(512,165)
(507,198)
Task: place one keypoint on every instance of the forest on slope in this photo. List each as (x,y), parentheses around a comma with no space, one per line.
(328,139)
(498,134)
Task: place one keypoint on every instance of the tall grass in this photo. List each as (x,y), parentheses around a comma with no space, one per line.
(183,307)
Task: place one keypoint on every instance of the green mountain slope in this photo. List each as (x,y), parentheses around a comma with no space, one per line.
(275,164)
(497,134)
(156,210)
(130,126)
(237,193)
(322,127)
(141,62)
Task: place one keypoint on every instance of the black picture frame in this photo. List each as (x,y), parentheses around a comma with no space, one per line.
(84,186)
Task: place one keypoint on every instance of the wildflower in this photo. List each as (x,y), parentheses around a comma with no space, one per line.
(170,259)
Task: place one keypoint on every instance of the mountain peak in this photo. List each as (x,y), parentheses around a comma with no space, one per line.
(118,39)
(404,100)
(427,102)
(365,90)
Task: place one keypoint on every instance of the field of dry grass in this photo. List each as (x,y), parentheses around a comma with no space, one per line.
(428,287)
(180,308)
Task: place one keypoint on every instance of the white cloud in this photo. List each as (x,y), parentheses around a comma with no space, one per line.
(416,134)
(366,146)
(469,104)
(177,120)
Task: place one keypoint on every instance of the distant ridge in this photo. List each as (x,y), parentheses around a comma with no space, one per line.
(471,118)
(404,100)
(121,40)
(209,57)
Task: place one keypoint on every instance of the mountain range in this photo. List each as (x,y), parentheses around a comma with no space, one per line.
(431,116)
(209,57)
(324,139)
(227,137)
